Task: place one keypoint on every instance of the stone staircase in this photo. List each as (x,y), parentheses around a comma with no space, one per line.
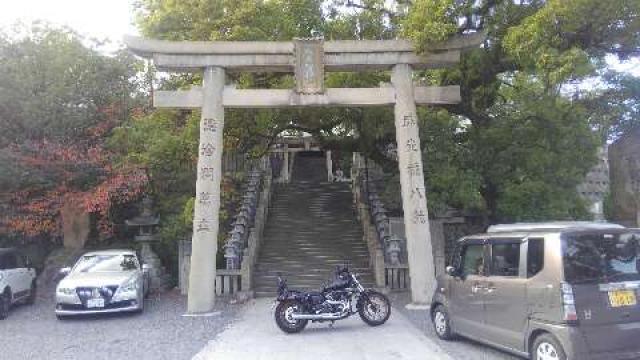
(311,229)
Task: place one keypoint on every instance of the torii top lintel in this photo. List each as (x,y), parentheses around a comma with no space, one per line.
(267,56)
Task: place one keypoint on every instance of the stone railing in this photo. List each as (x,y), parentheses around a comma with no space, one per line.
(387,251)
(228,282)
(396,277)
(244,241)
(244,221)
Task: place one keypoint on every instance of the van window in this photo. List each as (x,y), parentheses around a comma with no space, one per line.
(535,256)
(505,259)
(601,257)
(473,260)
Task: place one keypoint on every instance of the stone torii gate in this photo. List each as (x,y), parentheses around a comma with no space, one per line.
(308,59)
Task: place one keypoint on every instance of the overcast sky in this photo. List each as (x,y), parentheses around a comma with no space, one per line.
(112,19)
(93,18)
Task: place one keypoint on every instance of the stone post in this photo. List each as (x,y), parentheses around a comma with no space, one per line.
(414,201)
(438,245)
(201,298)
(286,164)
(329,166)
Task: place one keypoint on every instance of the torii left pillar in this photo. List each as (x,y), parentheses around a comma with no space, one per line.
(202,274)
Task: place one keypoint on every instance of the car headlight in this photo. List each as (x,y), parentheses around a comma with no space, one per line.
(129,286)
(66,291)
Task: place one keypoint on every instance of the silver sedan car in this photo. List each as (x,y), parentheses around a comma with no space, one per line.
(105,281)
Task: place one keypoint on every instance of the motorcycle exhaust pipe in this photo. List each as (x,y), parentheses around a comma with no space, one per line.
(332,316)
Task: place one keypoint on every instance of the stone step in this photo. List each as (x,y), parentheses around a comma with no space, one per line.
(310,263)
(293,253)
(311,229)
(301,284)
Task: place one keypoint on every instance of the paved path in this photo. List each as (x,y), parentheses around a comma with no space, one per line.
(255,336)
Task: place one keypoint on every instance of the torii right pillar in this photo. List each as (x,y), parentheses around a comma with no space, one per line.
(414,200)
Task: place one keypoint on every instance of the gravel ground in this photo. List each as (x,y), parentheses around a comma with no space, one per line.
(160,332)
(459,349)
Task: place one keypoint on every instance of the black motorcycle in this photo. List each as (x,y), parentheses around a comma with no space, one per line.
(340,299)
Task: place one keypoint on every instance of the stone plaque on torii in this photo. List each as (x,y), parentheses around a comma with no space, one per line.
(308,59)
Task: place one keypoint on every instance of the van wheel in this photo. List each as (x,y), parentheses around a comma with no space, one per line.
(442,323)
(546,347)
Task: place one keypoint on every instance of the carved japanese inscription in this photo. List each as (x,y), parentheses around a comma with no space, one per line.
(309,69)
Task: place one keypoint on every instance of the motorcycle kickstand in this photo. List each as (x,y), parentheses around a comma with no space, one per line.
(331,324)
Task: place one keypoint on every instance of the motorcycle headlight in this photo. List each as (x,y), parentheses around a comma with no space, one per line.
(66,291)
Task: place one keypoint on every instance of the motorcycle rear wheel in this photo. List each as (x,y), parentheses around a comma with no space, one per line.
(283,317)
(375,309)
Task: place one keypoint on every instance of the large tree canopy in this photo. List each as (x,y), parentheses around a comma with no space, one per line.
(59,100)
(526,131)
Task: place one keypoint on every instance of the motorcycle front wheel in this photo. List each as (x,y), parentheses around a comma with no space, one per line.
(375,309)
(284,320)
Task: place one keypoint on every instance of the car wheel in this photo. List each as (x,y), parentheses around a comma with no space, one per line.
(442,323)
(546,347)
(5,304)
(32,294)
(61,317)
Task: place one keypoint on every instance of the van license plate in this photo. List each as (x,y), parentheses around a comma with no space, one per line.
(619,298)
(95,303)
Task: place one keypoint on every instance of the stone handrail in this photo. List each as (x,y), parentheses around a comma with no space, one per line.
(376,252)
(227,282)
(245,237)
(248,221)
(385,249)
(392,245)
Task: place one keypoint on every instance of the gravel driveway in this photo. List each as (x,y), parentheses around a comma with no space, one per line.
(160,332)
(459,349)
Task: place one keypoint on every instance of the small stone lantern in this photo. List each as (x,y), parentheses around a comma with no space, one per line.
(146,225)
(393,250)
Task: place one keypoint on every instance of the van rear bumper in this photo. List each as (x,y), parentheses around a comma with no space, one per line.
(611,341)
(573,340)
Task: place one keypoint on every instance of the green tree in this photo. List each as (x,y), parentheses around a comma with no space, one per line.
(515,88)
(59,99)
(517,144)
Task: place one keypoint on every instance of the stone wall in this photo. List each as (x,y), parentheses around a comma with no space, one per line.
(624,163)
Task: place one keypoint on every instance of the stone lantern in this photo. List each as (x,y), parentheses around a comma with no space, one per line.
(393,250)
(146,225)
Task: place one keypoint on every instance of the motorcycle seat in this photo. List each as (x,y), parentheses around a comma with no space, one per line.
(337,285)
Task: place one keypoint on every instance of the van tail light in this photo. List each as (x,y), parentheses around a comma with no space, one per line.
(570,315)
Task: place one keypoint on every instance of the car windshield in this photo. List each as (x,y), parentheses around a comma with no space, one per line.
(106,263)
(601,257)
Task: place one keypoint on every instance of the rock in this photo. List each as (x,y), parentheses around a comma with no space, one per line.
(75,226)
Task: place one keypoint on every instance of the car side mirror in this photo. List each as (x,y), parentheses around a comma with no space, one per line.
(451,271)
(65,271)
(146,267)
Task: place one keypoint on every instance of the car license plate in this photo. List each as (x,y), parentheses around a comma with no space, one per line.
(619,298)
(95,303)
